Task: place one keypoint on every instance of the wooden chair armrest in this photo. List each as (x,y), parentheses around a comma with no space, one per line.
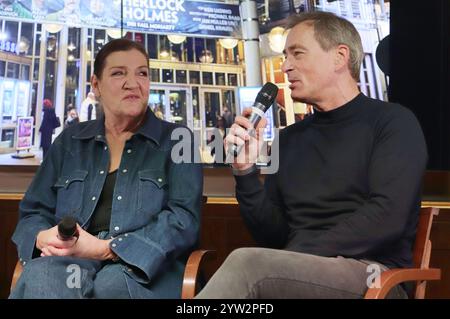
(17,272)
(192,271)
(393,277)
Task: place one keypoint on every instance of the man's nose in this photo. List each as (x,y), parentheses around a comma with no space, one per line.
(286,65)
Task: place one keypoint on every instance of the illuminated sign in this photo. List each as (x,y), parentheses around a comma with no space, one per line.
(160,16)
(9,46)
(24,133)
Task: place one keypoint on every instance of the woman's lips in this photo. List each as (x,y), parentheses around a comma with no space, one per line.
(131,97)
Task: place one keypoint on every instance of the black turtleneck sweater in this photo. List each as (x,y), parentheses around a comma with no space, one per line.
(348,184)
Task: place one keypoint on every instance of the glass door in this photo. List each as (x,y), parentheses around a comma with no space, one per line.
(210,112)
(172,104)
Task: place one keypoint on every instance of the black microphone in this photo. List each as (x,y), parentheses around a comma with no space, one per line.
(263,101)
(67,228)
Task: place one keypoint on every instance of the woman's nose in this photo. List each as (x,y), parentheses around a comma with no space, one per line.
(130,82)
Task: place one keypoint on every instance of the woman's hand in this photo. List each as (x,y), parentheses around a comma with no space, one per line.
(87,246)
(50,237)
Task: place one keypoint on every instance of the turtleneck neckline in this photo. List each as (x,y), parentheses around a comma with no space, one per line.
(340,113)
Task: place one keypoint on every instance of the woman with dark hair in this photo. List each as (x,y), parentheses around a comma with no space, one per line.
(48,125)
(137,208)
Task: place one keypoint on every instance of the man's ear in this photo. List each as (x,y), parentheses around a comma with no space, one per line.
(342,56)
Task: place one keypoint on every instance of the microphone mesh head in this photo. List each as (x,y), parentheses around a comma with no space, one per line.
(267,94)
(67,226)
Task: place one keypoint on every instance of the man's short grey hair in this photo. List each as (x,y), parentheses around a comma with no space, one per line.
(331,31)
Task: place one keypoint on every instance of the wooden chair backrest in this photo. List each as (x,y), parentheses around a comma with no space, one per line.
(422,245)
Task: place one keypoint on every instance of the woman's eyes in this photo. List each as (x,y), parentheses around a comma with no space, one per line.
(119,73)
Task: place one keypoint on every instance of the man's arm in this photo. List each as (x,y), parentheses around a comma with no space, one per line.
(262,209)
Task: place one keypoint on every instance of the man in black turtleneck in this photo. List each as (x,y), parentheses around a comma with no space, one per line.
(345,200)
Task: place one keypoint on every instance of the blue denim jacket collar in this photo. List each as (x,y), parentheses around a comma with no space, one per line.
(151,129)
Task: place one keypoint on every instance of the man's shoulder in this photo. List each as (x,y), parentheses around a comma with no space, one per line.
(391,117)
(378,110)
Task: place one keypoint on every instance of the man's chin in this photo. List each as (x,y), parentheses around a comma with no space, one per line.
(300,98)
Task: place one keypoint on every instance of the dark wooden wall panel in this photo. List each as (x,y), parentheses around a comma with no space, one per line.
(223,231)
(8,255)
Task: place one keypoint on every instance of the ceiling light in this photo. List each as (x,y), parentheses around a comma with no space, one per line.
(176,39)
(228,43)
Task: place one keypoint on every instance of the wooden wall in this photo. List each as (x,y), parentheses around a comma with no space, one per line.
(222,227)
(223,230)
(8,254)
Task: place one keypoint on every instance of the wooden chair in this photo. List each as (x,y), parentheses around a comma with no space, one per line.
(17,272)
(390,278)
(191,274)
(421,258)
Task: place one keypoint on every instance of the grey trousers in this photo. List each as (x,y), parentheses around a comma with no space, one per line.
(255,273)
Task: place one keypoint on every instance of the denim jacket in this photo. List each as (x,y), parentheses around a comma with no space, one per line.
(156,202)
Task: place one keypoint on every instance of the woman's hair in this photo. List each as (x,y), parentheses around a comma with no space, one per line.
(331,31)
(115,46)
(47,104)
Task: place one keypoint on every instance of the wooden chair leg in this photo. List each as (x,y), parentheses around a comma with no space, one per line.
(192,271)
(17,272)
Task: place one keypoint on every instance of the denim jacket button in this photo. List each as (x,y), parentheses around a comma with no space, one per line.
(120,239)
(116,228)
(160,180)
(129,151)
(114,245)
(125,170)
(119,197)
(102,172)
(93,197)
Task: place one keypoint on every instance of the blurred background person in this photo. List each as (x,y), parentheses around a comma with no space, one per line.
(49,122)
(227,117)
(72,117)
(88,110)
